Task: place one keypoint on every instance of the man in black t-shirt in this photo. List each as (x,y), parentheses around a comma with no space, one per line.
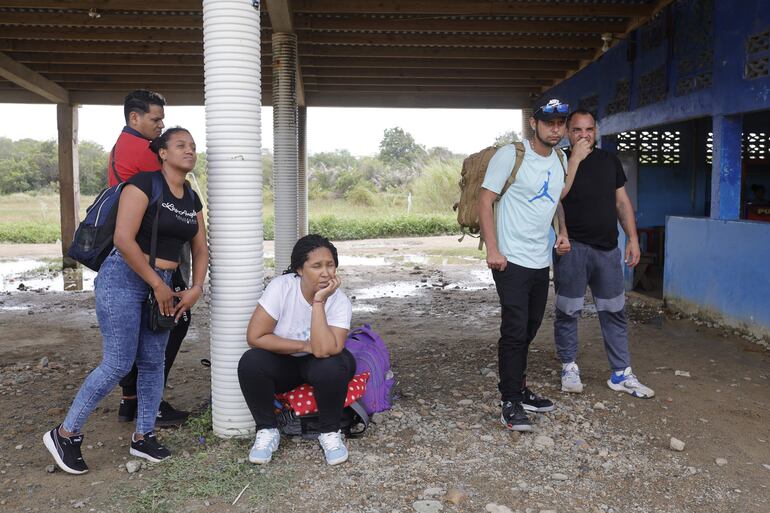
(589,215)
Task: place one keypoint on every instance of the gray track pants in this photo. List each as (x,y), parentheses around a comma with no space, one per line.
(601,270)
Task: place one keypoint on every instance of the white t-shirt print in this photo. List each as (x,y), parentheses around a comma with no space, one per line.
(282,299)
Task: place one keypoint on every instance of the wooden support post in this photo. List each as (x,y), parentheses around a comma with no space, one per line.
(69,176)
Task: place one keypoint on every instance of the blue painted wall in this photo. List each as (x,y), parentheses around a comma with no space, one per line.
(720,267)
(713,265)
(730,93)
(667,190)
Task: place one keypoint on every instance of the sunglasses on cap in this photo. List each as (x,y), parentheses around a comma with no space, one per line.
(550,108)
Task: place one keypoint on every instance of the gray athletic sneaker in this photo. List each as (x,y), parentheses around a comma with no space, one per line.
(570,378)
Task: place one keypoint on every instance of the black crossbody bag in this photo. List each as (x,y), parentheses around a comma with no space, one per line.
(157,321)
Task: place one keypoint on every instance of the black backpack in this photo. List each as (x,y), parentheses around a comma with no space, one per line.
(93,238)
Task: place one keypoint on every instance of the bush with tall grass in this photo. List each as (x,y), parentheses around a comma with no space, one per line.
(436,189)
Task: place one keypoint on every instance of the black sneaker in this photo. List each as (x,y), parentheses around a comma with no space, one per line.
(127,410)
(535,403)
(149,448)
(66,451)
(168,416)
(514,417)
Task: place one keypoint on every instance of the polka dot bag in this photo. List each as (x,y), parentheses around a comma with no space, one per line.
(302,398)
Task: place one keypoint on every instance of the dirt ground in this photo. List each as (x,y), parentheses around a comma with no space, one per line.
(442,447)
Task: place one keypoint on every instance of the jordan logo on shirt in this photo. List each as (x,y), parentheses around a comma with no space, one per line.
(543,192)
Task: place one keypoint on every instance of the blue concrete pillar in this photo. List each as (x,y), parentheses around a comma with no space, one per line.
(726,168)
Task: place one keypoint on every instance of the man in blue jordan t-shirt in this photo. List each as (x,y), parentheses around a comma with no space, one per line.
(516,233)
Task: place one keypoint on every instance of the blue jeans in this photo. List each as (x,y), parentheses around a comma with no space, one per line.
(122,314)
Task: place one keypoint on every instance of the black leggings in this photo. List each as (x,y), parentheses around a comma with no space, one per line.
(262,374)
(172,348)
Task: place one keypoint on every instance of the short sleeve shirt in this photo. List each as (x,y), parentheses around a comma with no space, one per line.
(131,155)
(177,221)
(589,206)
(284,302)
(524,213)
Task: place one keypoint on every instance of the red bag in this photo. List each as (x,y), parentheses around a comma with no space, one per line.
(302,398)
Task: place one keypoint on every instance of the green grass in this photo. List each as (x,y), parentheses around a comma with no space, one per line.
(203,468)
(34,218)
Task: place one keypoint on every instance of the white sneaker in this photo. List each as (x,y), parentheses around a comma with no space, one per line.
(334,448)
(625,381)
(570,378)
(264,446)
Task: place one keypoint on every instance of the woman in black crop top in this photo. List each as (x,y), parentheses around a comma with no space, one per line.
(122,286)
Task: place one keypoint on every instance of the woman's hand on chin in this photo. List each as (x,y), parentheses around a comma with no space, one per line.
(324,293)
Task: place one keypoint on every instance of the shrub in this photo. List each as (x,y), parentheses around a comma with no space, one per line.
(436,190)
(361,195)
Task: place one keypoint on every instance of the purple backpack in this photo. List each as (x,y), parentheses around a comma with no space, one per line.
(371,355)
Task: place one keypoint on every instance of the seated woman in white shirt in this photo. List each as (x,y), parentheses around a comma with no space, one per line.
(297,335)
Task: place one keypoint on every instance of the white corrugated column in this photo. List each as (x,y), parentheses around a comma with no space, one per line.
(302,170)
(231,47)
(285,146)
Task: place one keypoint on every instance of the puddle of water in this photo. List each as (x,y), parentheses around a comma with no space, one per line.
(392,289)
(14,273)
(14,308)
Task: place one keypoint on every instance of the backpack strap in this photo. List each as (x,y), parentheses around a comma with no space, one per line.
(157,197)
(516,166)
(112,165)
(555,222)
(520,149)
(361,412)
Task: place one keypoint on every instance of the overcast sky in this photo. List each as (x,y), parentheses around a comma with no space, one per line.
(357,130)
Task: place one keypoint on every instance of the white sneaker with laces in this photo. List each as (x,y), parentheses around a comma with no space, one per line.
(264,446)
(570,378)
(625,381)
(334,448)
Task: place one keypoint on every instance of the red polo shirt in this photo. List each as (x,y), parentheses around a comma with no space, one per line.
(131,155)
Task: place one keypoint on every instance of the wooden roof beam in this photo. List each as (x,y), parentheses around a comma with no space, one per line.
(439,62)
(467,82)
(443,8)
(101,34)
(422,101)
(281,21)
(422,24)
(106,5)
(441,53)
(106,19)
(466,8)
(116,69)
(453,40)
(22,76)
(112,58)
(432,72)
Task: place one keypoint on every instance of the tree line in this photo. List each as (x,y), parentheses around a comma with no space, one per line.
(402,165)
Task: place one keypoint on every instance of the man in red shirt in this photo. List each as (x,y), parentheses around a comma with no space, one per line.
(131,154)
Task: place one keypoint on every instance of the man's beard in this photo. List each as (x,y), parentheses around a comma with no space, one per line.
(546,143)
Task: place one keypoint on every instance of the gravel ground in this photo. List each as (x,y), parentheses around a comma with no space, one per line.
(441,447)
